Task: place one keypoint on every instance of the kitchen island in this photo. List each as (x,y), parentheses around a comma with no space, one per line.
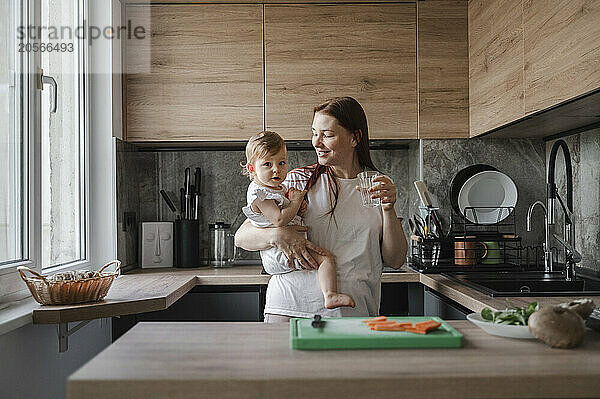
(254,360)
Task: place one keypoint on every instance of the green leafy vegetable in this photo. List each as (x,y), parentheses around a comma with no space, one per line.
(487,314)
(514,315)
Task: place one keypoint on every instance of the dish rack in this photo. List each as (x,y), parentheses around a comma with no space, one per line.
(68,292)
(472,246)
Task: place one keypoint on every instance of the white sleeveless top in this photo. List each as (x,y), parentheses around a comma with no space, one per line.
(256,191)
(354,238)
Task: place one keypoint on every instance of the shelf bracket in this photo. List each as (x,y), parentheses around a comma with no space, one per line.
(64,332)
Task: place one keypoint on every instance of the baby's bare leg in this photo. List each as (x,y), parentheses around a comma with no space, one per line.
(328,282)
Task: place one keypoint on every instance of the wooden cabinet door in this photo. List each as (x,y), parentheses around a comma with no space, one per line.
(315,52)
(205,80)
(495,64)
(443,59)
(562,50)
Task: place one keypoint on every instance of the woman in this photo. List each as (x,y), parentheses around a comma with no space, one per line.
(362,239)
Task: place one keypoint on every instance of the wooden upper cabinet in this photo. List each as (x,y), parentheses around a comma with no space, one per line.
(315,52)
(205,77)
(495,64)
(443,60)
(562,51)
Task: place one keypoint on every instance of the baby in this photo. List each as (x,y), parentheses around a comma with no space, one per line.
(271,204)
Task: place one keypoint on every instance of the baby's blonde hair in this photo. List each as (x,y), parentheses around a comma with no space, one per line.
(259,146)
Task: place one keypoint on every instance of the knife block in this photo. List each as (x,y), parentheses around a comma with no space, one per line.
(187,243)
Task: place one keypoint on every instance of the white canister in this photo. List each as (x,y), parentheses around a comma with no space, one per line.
(157,244)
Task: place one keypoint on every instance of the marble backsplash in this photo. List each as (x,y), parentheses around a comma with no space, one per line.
(585,159)
(142,174)
(137,198)
(520,159)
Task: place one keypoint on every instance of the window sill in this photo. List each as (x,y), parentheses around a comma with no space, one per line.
(16,311)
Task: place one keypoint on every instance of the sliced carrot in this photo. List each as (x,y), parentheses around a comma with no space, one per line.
(405,324)
(378,318)
(415,330)
(395,326)
(428,322)
(386,322)
(428,325)
(389,328)
(381,322)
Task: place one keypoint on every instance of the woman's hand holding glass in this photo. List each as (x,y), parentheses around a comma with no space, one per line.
(385,190)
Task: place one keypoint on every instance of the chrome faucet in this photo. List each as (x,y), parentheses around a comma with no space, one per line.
(547,251)
(551,195)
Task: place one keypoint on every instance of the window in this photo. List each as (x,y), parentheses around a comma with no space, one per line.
(12,176)
(62,135)
(51,215)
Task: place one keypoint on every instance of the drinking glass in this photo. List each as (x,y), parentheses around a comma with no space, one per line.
(365,181)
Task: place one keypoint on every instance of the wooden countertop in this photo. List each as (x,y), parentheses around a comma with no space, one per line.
(298,2)
(254,360)
(476,301)
(147,290)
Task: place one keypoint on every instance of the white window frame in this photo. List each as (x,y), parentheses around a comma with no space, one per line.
(31,204)
(99,203)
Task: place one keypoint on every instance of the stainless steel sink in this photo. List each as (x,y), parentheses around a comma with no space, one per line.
(526,284)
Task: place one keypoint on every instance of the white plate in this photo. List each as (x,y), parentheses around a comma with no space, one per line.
(501,330)
(487,189)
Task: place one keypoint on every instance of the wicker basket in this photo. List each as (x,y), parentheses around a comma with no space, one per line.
(69,292)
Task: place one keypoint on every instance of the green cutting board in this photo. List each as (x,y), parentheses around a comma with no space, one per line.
(350,333)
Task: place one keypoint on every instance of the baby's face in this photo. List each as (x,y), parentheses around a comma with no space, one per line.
(271,170)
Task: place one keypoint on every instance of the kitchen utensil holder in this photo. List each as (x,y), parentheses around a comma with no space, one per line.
(187,243)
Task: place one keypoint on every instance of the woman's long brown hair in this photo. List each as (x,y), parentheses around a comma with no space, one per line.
(351,116)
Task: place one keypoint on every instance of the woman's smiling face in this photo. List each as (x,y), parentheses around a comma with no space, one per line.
(334,144)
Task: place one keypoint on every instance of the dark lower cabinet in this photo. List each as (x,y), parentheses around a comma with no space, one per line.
(204,303)
(436,304)
(394,299)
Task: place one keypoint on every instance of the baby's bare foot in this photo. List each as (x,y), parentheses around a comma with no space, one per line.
(333,301)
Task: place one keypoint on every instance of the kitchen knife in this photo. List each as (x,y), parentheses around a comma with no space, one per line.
(192,209)
(170,204)
(182,201)
(188,193)
(174,200)
(317,322)
(197,182)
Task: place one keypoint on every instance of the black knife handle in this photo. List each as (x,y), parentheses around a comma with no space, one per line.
(170,204)
(197,180)
(182,201)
